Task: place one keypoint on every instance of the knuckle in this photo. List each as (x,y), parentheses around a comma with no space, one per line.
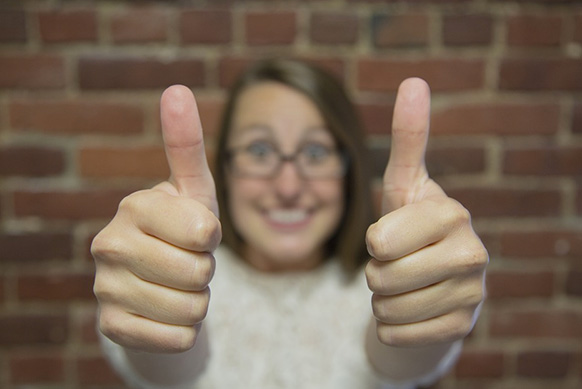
(475,258)
(131,203)
(474,299)
(378,242)
(381,308)
(373,276)
(388,336)
(455,214)
(384,333)
(477,294)
(109,325)
(99,289)
(133,206)
(102,287)
(461,324)
(106,247)
(202,271)
(199,302)
(205,230)
(138,200)
(185,341)
(377,277)
(464,328)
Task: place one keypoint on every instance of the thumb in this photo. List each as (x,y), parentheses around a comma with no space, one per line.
(406,173)
(184,145)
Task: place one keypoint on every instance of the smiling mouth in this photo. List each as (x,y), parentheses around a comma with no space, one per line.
(288,217)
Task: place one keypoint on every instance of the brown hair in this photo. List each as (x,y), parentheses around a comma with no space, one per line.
(348,242)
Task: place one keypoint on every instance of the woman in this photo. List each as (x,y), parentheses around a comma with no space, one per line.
(291,298)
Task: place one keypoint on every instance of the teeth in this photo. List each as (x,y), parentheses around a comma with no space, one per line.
(288,215)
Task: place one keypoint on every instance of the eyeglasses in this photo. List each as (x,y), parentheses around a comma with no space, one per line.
(262,159)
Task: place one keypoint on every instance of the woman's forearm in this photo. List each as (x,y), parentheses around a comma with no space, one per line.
(400,364)
(171,370)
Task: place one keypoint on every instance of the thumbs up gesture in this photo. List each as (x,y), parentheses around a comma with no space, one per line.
(427,269)
(154,259)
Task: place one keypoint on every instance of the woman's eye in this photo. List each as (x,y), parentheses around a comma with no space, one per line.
(260,149)
(315,152)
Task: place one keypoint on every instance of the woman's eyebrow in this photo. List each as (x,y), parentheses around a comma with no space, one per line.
(253,127)
(315,131)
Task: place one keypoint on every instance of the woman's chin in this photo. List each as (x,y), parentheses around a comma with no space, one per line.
(285,258)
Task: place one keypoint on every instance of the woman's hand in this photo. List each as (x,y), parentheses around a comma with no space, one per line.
(427,273)
(154,260)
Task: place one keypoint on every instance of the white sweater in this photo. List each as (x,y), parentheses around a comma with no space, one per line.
(292,330)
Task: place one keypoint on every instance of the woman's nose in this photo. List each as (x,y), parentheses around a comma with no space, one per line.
(288,182)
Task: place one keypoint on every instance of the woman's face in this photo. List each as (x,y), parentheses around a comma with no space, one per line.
(285,219)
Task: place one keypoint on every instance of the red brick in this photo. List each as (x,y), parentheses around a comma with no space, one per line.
(410,1)
(376,117)
(206,26)
(541,74)
(574,282)
(577,119)
(76,117)
(578,28)
(546,2)
(96,371)
(12,26)
(465,30)
(139,25)
(444,75)
(114,72)
(544,364)
(55,287)
(491,240)
(270,28)
(480,364)
(440,162)
(32,247)
(547,323)
(142,162)
(452,161)
(334,28)
(336,67)
(33,329)
(210,111)
(542,244)
(534,30)
(37,369)
(67,26)
(509,284)
(548,161)
(497,118)
(61,205)
(32,71)
(499,202)
(88,327)
(406,30)
(230,68)
(30,161)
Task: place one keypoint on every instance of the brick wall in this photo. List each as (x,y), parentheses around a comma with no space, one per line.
(79,89)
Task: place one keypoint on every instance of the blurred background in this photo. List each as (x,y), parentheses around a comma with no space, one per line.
(79,129)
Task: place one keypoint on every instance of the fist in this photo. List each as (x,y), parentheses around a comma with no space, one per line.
(154,259)
(427,271)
